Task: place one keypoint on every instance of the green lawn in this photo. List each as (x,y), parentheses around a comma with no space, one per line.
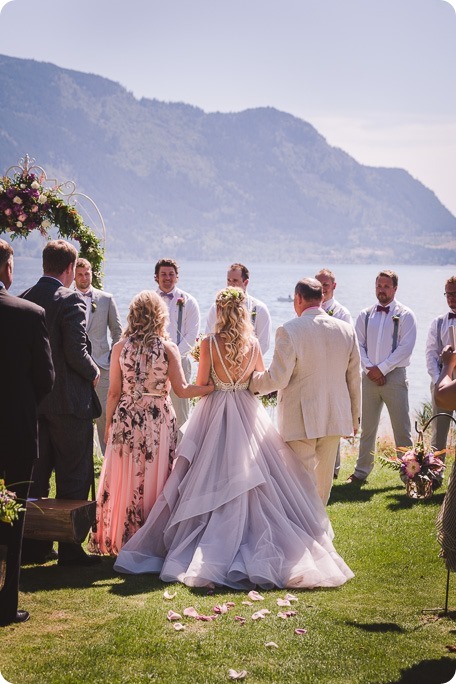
(92,625)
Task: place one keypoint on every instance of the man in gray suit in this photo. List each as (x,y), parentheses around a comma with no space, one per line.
(101,315)
(65,415)
(316,368)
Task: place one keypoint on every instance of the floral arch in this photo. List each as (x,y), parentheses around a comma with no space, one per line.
(28,204)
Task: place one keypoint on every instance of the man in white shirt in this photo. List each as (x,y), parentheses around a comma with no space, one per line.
(184,324)
(386,335)
(329,303)
(101,314)
(441,333)
(238,276)
(332,308)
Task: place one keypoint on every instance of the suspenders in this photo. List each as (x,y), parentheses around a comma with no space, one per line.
(395,331)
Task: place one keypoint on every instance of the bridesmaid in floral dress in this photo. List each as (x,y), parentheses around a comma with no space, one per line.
(140,423)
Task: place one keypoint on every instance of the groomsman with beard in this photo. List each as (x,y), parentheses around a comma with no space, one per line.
(65,416)
(386,335)
(184,324)
(27,376)
(101,315)
(238,276)
(316,368)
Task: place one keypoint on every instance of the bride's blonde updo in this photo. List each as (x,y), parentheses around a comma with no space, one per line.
(233,323)
(147,317)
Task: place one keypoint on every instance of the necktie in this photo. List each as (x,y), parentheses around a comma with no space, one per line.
(451,315)
(168,295)
(385,309)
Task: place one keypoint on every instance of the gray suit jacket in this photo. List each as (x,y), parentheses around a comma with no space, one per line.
(75,370)
(316,368)
(103,315)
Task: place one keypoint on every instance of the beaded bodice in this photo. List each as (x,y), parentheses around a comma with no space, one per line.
(241,383)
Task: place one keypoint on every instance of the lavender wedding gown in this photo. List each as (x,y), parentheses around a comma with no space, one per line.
(238,509)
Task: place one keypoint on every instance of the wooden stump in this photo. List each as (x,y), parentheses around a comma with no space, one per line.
(59,520)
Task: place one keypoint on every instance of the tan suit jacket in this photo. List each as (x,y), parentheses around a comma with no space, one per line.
(316,368)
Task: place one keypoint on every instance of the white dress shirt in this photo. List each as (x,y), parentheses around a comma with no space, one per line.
(337,310)
(87,297)
(260,318)
(190,319)
(376,350)
(436,341)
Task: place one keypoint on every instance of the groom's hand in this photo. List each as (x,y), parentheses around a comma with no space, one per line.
(375,375)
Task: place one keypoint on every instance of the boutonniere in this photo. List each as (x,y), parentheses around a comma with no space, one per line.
(93,306)
(330,312)
(180,302)
(396,318)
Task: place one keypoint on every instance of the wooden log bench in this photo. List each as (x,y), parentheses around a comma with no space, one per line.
(59,519)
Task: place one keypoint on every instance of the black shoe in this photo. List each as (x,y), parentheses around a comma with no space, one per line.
(22,616)
(79,561)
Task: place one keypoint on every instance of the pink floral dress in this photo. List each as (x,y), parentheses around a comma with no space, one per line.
(140,449)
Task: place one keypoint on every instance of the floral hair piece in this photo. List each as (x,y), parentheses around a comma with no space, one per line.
(230,293)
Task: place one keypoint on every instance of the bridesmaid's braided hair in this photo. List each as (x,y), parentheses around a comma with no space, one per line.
(147,317)
(233,324)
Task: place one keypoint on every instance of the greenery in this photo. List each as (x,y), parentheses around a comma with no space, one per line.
(93,625)
(26,205)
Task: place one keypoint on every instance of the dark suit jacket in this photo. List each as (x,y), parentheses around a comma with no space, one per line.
(74,367)
(26,376)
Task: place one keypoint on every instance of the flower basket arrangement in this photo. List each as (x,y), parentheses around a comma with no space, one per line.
(10,507)
(420,469)
(26,204)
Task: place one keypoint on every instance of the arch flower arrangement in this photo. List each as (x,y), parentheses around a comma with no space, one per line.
(26,204)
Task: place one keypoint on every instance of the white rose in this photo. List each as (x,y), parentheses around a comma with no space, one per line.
(22,186)
(17,200)
(19,224)
(42,199)
(46,224)
(35,185)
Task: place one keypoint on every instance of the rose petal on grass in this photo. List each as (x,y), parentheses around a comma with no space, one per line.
(230,604)
(286,614)
(271,644)
(233,674)
(167,595)
(240,619)
(206,618)
(290,597)
(191,612)
(261,614)
(300,631)
(178,626)
(255,596)
(221,608)
(451,649)
(283,602)
(247,603)
(173,616)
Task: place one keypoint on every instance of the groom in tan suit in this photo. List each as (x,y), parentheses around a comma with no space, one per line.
(316,368)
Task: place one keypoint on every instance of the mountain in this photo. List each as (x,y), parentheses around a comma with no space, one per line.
(173,180)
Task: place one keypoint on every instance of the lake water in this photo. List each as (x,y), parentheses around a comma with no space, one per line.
(420,287)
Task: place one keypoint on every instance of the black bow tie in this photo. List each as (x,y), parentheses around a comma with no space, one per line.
(451,315)
(385,309)
(168,295)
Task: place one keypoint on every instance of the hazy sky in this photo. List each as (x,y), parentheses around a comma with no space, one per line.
(376,78)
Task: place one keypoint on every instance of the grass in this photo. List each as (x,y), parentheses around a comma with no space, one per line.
(92,625)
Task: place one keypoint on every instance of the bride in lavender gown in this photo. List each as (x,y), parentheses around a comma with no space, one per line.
(238,509)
